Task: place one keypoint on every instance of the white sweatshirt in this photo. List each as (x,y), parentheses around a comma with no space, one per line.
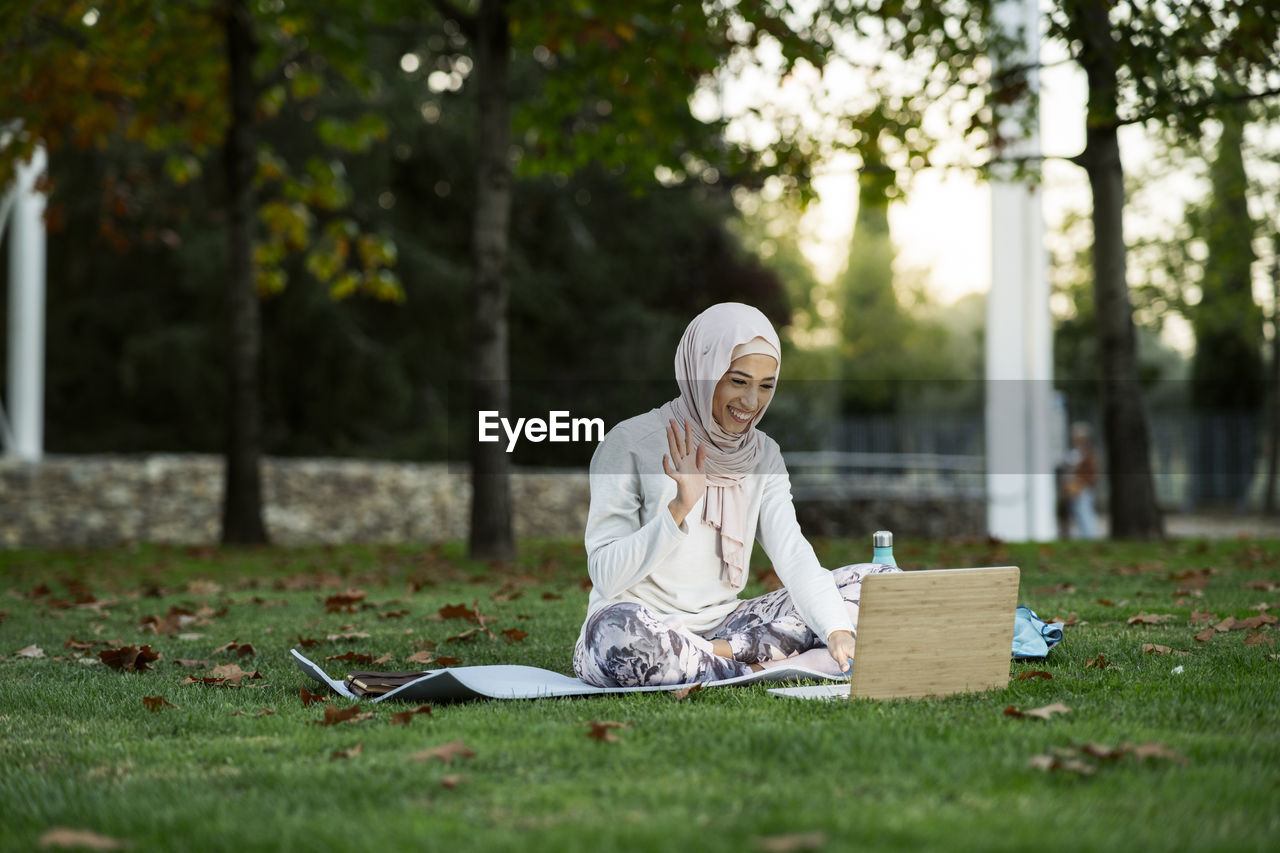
(636,553)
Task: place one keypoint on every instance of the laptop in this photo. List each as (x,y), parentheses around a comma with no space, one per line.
(929,633)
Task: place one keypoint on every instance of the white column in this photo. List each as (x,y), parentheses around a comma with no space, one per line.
(1019,334)
(26,311)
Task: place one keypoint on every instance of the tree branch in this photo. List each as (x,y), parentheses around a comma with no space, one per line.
(1218,100)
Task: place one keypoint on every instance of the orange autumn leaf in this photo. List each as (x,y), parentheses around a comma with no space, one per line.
(155,703)
(444,753)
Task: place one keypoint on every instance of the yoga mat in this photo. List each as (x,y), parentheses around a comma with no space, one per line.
(511,681)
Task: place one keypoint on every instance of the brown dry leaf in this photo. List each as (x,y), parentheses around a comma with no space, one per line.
(309,698)
(1100,662)
(129,658)
(465,637)
(1054,762)
(685,692)
(1265,606)
(1150,618)
(1043,713)
(515,635)
(444,753)
(354,657)
(333,715)
(347,753)
(73,643)
(448,661)
(393,614)
(458,611)
(1201,617)
(422,657)
(64,838)
(155,703)
(1070,621)
(308,642)
(1265,586)
(1154,649)
(1254,622)
(1034,673)
(452,780)
(383,659)
(262,712)
(199,587)
(403,718)
(1225,625)
(791,842)
(551,596)
(1055,589)
(241,649)
(1154,749)
(349,635)
(1206,635)
(602,730)
(233,673)
(344,602)
(33,652)
(1259,639)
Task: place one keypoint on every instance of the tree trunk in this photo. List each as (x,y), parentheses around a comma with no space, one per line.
(1273,418)
(1133,509)
(242,487)
(491,533)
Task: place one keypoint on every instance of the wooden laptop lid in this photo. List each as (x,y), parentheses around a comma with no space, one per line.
(934,632)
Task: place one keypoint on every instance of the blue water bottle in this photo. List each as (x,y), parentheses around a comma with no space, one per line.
(882,548)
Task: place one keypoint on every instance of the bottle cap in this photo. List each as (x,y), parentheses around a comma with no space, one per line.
(882,539)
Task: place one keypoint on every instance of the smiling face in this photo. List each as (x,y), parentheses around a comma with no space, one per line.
(743,391)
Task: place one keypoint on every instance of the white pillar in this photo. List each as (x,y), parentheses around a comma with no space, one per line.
(26,311)
(1019,334)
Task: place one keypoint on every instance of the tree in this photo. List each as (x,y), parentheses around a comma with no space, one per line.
(1160,63)
(619,99)
(208,89)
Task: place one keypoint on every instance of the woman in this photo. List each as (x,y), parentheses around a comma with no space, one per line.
(677,496)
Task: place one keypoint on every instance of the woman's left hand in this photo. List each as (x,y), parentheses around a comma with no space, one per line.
(840,645)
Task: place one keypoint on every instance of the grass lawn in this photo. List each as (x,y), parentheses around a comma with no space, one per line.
(731,769)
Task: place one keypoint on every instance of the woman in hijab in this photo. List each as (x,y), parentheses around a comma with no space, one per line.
(678,495)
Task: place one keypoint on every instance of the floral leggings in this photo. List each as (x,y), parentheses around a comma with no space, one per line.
(629,645)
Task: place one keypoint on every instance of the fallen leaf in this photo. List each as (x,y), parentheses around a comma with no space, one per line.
(402,718)
(423,657)
(1254,622)
(791,842)
(355,657)
(1155,749)
(1154,649)
(344,602)
(1150,618)
(602,730)
(1206,635)
(444,753)
(1100,662)
(349,635)
(458,611)
(129,658)
(308,642)
(685,692)
(73,643)
(1225,624)
(383,659)
(1199,617)
(1266,586)
(1258,639)
(202,587)
(1054,762)
(309,698)
(1070,621)
(334,715)
(233,673)
(347,753)
(62,837)
(393,614)
(514,635)
(262,712)
(452,780)
(185,662)
(32,651)
(241,649)
(1043,713)
(551,596)
(155,703)
(465,637)
(1034,673)
(448,661)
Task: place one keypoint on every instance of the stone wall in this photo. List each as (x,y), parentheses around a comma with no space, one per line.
(107,500)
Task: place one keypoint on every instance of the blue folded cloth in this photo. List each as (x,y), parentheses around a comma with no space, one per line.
(1032,636)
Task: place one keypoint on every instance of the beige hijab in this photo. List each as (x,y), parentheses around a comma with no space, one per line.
(709,345)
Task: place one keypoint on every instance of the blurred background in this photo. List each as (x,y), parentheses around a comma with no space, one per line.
(292,247)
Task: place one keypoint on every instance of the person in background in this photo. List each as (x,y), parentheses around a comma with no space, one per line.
(1081,479)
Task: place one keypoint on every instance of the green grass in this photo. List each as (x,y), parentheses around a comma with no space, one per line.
(719,771)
